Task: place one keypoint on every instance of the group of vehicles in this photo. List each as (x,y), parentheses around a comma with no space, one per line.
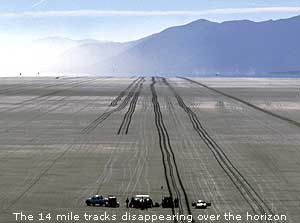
(141,202)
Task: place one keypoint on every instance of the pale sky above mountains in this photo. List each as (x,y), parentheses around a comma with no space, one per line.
(23,21)
(123,20)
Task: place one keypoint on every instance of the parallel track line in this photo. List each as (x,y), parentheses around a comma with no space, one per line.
(122,94)
(291,121)
(93,125)
(124,127)
(256,202)
(167,151)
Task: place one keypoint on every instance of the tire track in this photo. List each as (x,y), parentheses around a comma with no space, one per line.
(291,121)
(47,168)
(124,127)
(138,162)
(178,122)
(43,173)
(168,155)
(56,106)
(121,95)
(42,97)
(88,129)
(6,91)
(11,90)
(256,202)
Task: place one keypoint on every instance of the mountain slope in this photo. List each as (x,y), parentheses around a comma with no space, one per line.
(207,47)
(78,58)
(87,53)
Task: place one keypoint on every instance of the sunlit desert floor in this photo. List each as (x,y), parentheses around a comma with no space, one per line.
(234,142)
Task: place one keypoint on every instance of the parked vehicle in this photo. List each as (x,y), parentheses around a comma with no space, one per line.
(96,200)
(200,204)
(99,200)
(111,201)
(141,201)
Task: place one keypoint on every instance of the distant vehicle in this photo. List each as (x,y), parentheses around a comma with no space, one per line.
(56,77)
(141,201)
(200,204)
(99,200)
(96,200)
(168,202)
(111,202)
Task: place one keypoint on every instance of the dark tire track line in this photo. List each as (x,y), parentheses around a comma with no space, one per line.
(291,121)
(93,125)
(167,152)
(121,95)
(124,127)
(256,202)
(161,137)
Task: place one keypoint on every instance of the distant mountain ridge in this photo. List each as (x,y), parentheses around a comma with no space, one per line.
(200,47)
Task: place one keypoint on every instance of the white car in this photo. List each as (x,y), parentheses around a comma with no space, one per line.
(201,204)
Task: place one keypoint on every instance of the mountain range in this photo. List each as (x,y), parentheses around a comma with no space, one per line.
(200,47)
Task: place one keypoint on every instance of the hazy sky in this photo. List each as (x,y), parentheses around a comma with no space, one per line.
(123,20)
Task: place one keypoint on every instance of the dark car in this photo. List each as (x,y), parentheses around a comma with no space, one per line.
(167,202)
(96,200)
(141,201)
(111,202)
